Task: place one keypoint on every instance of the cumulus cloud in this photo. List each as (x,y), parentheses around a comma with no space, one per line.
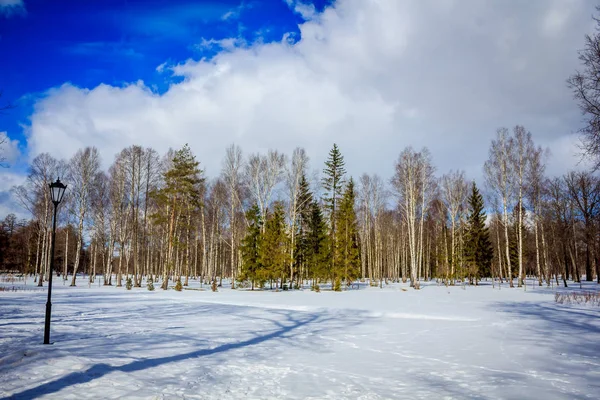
(11,7)
(372,76)
(9,149)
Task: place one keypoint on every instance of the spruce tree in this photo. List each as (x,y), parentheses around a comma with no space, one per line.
(318,247)
(250,247)
(273,254)
(304,214)
(333,183)
(478,247)
(347,249)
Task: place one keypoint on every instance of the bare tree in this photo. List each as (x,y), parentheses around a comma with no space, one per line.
(534,179)
(83,168)
(522,148)
(263,173)
(413,182)
(584,190)
(585,85)
(232,176)
(499,178)
(454,194)
(294,172)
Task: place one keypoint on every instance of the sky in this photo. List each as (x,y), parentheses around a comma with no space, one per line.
(373,76)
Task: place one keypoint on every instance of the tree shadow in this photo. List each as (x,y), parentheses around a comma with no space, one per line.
(284,330)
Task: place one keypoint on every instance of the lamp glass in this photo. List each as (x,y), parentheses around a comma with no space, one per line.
(57,191)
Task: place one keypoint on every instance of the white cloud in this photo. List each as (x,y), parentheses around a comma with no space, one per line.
(373,76)
(8,204)
(9,149)
(11,7)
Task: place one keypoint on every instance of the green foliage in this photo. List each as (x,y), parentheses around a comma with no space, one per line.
(337,284)
(178,285)
(317,244)
(179,198)
(478,247)
(347,249)
(273,249)
(315,288)
(333,183)
(250,247)
(150,284)
(128,284)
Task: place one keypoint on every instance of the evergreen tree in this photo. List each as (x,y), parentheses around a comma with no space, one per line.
(273,254)
(333,183)
(318,246)
(250,247)
(478,247)
(348,258)
(304,215)
(180,197)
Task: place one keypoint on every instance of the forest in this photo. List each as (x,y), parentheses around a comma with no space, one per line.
(266,221)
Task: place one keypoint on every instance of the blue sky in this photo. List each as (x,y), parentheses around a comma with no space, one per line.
(47,43)
(372,76)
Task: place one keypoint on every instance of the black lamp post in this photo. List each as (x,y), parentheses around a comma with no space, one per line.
(57,191)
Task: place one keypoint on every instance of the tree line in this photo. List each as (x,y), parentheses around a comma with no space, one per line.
(266,220)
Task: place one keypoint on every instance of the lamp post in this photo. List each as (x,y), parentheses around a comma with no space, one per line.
(57,191)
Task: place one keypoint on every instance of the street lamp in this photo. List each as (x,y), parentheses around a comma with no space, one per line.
(57,191)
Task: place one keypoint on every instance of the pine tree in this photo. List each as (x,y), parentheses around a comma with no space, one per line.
(478,247)
(178,285)
(177,200)
(273,250)
(304,215)
(348,265)
(333,183)
(317,245)
(250,247)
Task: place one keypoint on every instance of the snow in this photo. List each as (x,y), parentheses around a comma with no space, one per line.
(371,343)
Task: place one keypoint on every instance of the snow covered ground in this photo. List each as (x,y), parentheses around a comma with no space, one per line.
(370,343)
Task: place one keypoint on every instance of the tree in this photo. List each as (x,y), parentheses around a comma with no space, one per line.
(498,171)
(295,178)
(232,174)
(263,174)
(478,247)
(273,250)
(584,190)
(178,199)
(83,169)
(348,267)
(454,193)
(585,85)
(318,247)
(250,247)
(413,182)
(522,149)
(333,183)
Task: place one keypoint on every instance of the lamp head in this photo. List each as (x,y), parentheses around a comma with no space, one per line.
(57,191)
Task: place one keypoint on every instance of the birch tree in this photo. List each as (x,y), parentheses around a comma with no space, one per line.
(499,176)
(83,168)
(295,172)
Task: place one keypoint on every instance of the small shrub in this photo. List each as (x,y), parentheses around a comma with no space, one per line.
(337,285)
(214,286)
(587,298)
(178,285)
(128,284)
(316,288)
(150,285)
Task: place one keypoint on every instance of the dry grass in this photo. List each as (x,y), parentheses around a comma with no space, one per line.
(590,298)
